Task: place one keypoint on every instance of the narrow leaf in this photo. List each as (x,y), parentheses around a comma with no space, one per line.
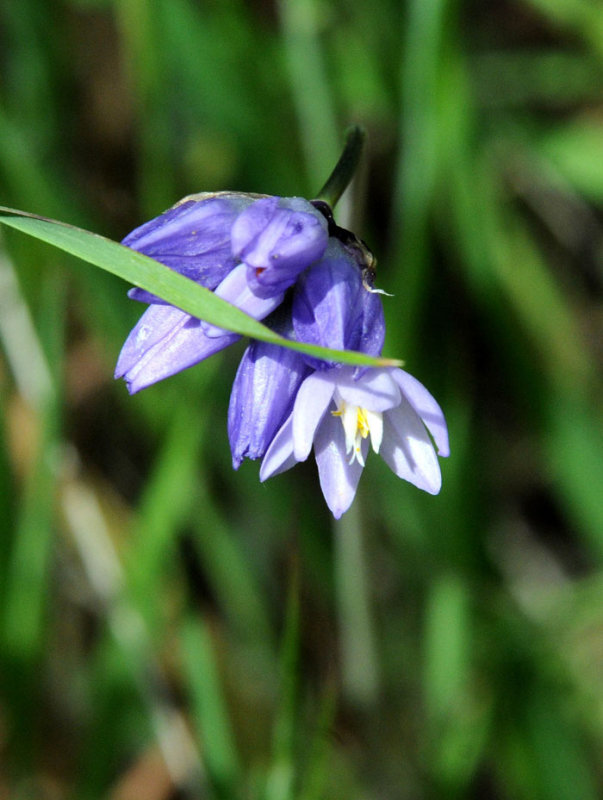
(148,274)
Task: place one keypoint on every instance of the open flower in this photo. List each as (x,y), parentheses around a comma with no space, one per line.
(284,403)
(247,249)
(338,415)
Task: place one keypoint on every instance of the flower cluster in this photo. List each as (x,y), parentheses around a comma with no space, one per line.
(285,261)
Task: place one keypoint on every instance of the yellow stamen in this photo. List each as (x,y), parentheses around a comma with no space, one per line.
(363,428)
(358,423)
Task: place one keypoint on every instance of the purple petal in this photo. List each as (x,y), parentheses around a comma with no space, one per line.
(279,456)
(262,397)
(312,401)
(277,238)
(164,342)
(156,323)
(142,296)
(235,289)
(332,308)
(326,297)
(375,390)
(338,478)
(426,407)
(407,449)
(192,237)
(368,336)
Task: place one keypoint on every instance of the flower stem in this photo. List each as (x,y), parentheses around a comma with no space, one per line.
(345,168)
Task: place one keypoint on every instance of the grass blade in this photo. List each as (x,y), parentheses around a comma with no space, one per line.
(181,292)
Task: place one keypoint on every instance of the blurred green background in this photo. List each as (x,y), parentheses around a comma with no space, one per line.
(172,629)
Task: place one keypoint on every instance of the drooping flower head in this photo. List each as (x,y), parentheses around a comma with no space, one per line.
(286,261)
(248,249)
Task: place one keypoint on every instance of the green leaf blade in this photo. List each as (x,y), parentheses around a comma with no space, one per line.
(179,291)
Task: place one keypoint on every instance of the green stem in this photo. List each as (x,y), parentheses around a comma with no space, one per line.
(345,168)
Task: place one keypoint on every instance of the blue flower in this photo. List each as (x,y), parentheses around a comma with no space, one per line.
(337,414)
(247,249)
(286,261)
(192,238)
(284,403)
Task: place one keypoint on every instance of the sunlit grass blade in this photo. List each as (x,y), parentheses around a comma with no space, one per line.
(310,86)
(26,596)
(209,707)
(229,571)
(142,41)
(181,292)
(359,658)
(420,135)
(316,776)
(458,716)
(574,444)
(164,507)
(26,591)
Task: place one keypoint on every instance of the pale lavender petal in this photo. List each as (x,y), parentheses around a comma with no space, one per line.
(235,289)
(250,226)
(426,407)
(156,323)
(262,397)
(376,390)
(165,341)
(279,456)
(311,403)
(142,296)
(338,478)
(407,449)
